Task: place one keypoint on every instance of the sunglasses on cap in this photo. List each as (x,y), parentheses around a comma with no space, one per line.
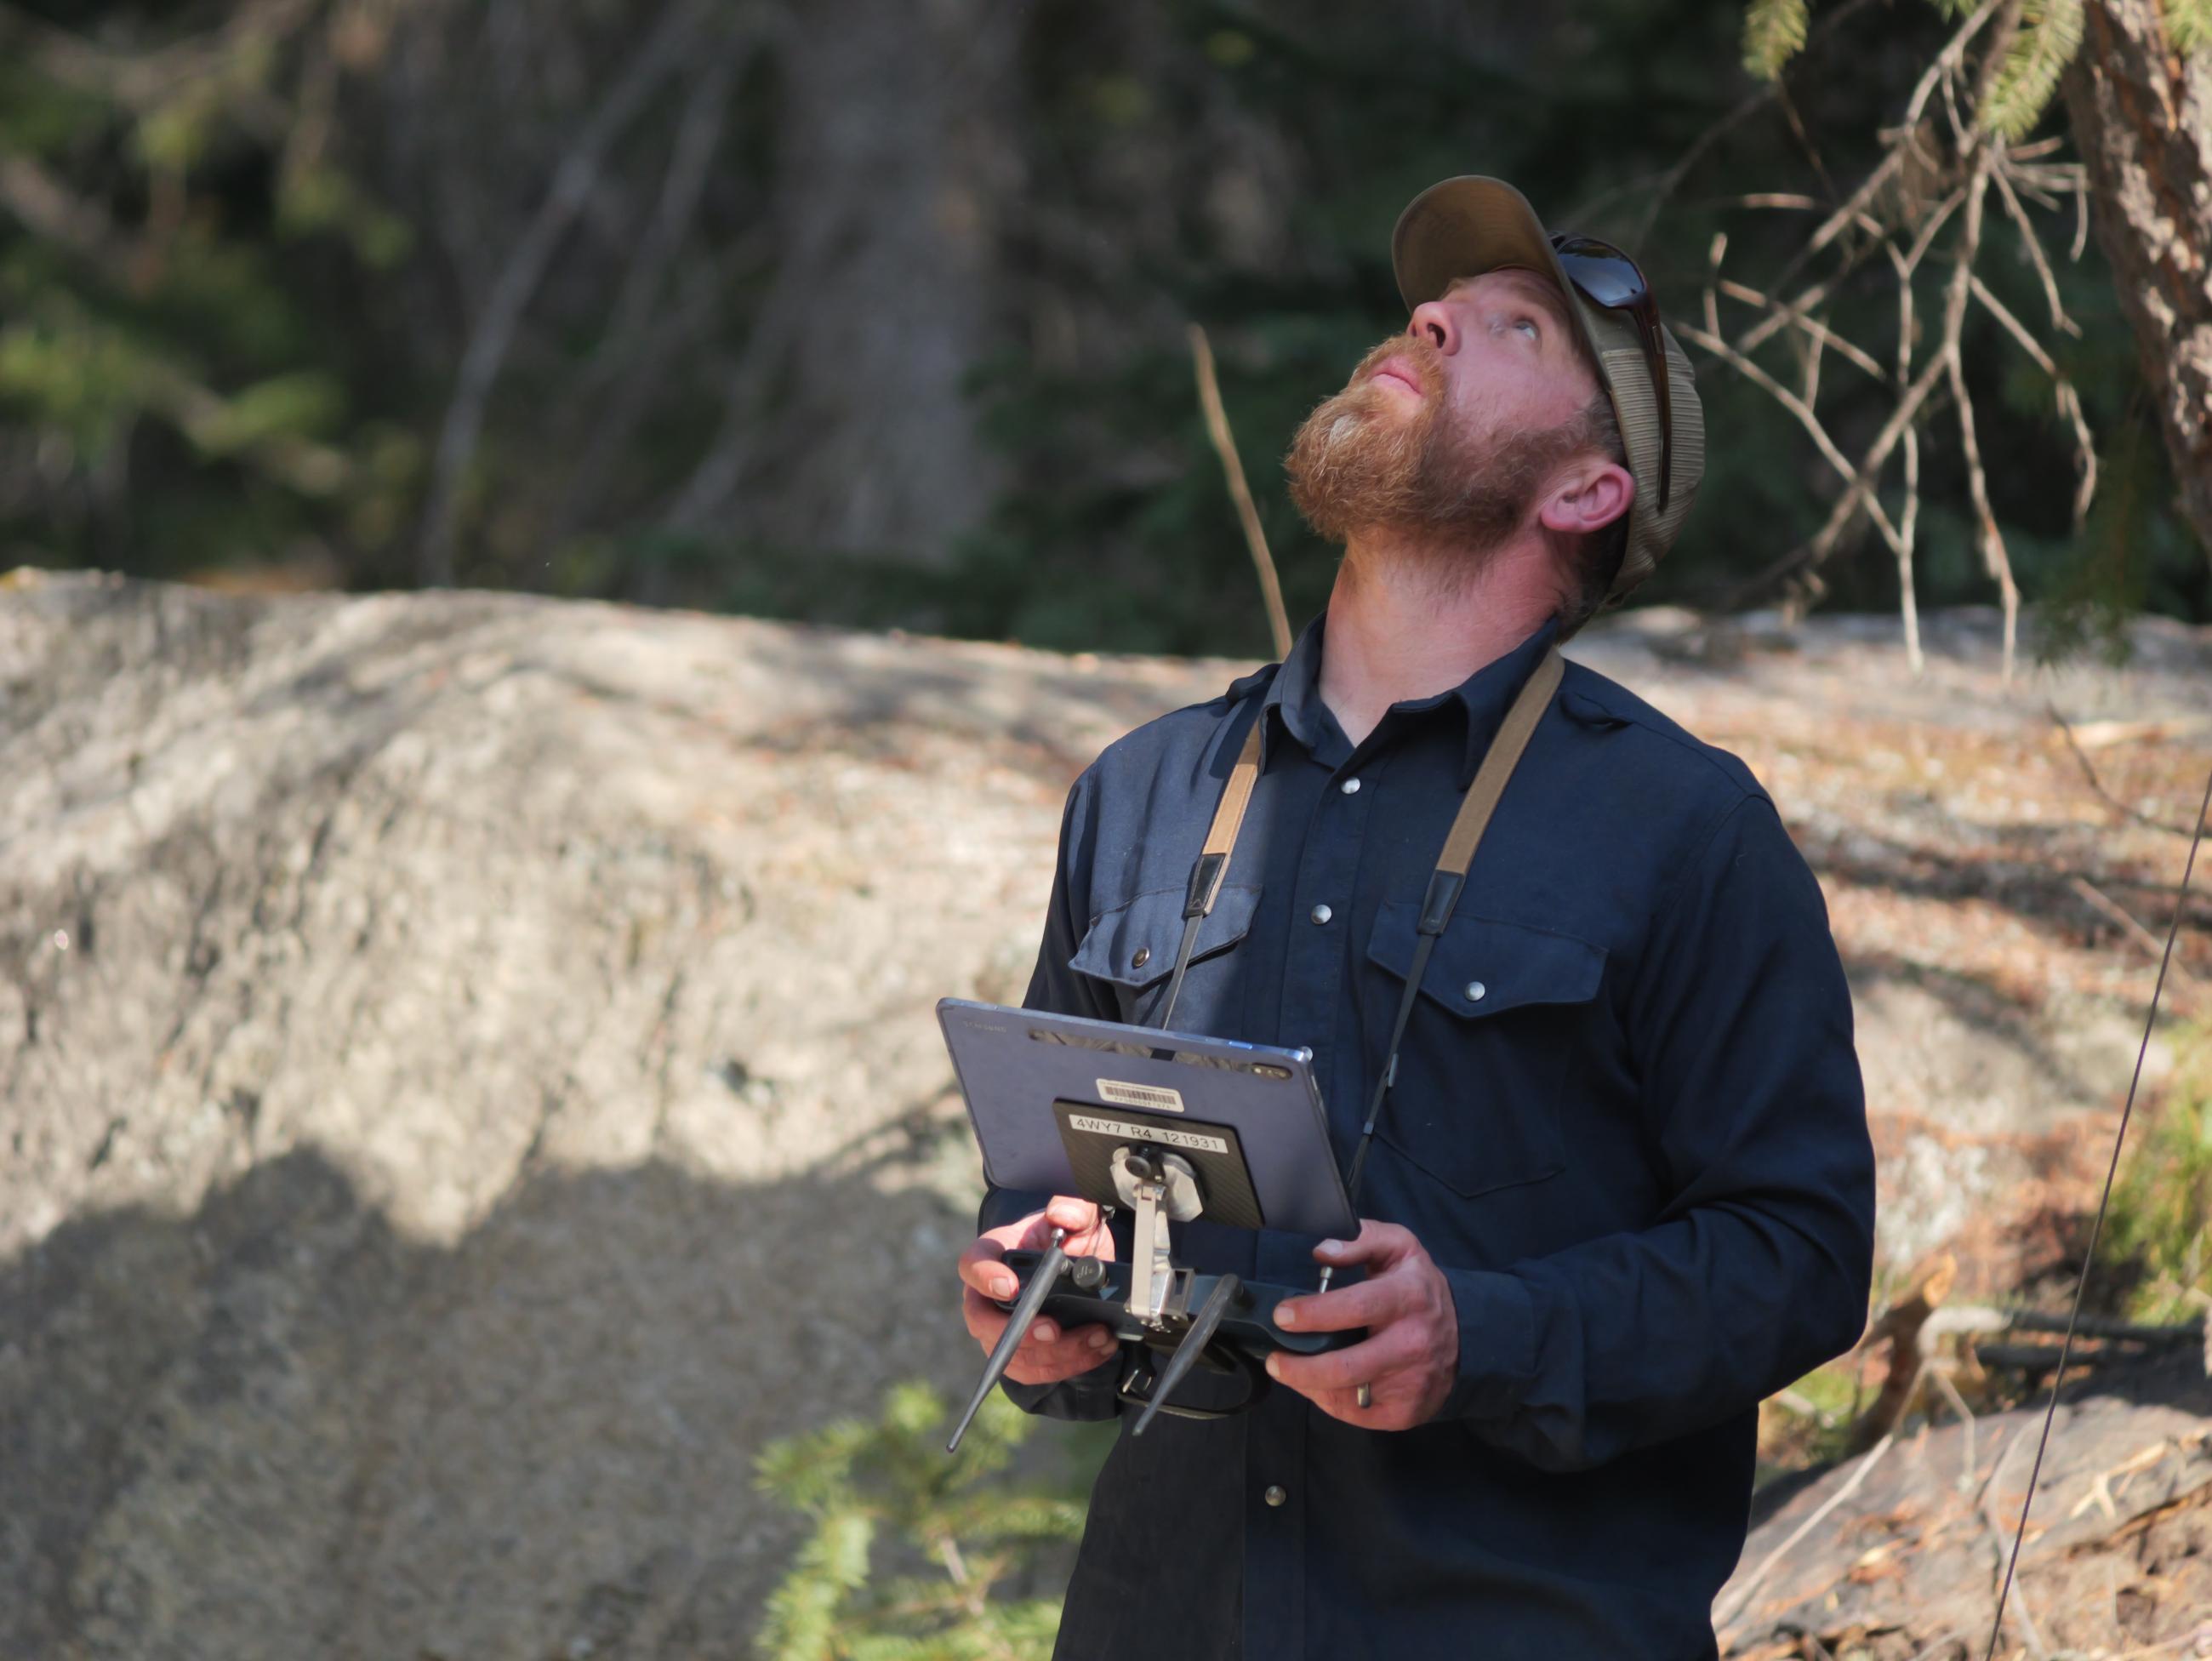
(1609,279)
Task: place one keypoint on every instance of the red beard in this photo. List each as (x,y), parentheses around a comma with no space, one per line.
(1358,464)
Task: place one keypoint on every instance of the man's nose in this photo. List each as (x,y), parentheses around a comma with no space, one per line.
(1433,320)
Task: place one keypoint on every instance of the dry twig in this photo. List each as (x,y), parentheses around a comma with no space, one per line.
(2097,785)
(1936,172)
(1224,445)
(1724,1617)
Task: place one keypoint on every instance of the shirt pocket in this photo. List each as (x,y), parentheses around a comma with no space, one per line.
(1132,946)
(1485,1059)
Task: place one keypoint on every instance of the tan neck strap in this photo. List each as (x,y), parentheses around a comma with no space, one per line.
(1475,809)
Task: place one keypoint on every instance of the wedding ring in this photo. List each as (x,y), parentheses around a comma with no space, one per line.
(1366,1396)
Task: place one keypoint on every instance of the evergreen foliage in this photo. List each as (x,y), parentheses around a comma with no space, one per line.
(2188,25)
(912,1552)
(2048,36)
(1773,34)
(2158,1239)
(242,251)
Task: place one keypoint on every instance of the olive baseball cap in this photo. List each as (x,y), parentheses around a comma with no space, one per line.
(1464,226)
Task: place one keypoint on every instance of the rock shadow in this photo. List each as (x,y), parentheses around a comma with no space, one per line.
(279,1426)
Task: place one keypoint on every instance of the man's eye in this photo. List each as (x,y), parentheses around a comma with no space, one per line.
(1527,323)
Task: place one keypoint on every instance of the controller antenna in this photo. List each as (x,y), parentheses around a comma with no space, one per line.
(1046,1277)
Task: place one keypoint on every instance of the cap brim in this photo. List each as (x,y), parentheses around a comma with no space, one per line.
(1465,226)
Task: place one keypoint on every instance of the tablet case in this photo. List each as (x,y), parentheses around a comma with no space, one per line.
(1015,1065)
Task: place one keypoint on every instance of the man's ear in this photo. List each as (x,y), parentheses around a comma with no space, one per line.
(1587,497)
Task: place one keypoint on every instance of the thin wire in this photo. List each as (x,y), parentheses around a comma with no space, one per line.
(2096,1229)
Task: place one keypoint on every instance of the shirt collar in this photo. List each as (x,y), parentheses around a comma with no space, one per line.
(1483,697)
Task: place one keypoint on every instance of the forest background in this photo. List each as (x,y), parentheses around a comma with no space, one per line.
(875,313)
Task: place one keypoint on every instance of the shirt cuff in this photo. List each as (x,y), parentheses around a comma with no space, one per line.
(1496,1343)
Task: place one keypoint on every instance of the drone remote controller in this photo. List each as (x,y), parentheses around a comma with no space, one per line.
(1093,1291)
(1216,1321)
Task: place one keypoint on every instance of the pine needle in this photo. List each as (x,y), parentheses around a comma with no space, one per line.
(2188,24)
(2049,35)
(1773,34)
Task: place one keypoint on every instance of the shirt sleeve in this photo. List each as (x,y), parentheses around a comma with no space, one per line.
(1757,1270)
(1053,986)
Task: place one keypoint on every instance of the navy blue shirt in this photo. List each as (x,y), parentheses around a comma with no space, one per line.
(1628,1126)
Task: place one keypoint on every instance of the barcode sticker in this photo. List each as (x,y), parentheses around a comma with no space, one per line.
(1158,1097)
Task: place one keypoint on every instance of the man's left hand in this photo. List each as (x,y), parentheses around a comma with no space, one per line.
(1410,1356)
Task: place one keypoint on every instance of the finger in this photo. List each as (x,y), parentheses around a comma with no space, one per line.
(1085,1223)
(1378,1243)
(1363,1363)
(1076,1216)
(1044,1340)
(1065,1357)
(1369,1304)
(985,1319)
(982,1266)
(1344,1404)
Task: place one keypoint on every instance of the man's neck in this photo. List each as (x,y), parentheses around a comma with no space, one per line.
(1399,628)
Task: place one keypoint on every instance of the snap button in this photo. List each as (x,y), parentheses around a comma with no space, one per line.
(1274,1495)
(1144,956)
(1476,991)
(1350,786)
(1322,914)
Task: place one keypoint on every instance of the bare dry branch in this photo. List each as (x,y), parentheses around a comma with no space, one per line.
(1785,314)
(1723,1617)
(1829,451)
(1224,445)
(2107,907)
(1908,519)
(2068,400)
(1808,554)
(2097,784)
(2034,243)
(1818,330)
(1656,189)
(1995,555)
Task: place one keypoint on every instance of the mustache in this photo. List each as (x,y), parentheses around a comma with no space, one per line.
(1420,353)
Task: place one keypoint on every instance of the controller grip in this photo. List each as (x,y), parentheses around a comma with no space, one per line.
(1249,1325)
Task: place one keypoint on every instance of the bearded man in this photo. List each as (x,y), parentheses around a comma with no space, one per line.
(1621,1187)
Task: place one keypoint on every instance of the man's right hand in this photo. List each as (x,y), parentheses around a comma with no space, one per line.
(1047,1355)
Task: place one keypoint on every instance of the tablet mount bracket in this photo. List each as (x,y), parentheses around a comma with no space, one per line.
(1160,1188)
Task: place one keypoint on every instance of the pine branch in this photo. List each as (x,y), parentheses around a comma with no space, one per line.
(812,1472)
(1773,34)
(2049,35)
(2188,24)
(803,1615)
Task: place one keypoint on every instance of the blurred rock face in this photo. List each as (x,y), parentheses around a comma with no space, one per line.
(468,1077)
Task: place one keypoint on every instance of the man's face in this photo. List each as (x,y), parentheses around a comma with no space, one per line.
(1455,428)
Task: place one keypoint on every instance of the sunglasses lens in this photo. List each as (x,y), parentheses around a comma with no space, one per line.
(1609,284)
(1600,270)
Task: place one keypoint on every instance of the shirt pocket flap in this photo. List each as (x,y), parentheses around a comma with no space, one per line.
(1134,943)
(1484,967)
